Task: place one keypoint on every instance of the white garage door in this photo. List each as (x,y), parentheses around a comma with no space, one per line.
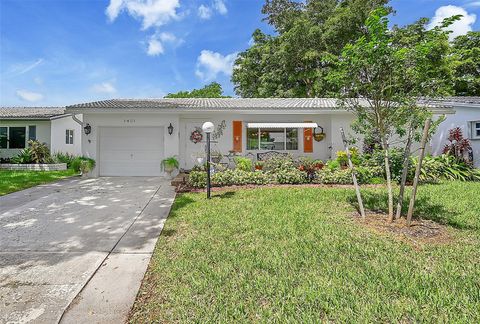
(131,151)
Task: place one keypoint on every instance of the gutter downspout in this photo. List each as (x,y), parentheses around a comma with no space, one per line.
(78,121)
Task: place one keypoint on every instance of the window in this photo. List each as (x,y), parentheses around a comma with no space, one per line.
(69,136)
(16,137)
(272,139)
(476,129)
(3,137)
(32,132)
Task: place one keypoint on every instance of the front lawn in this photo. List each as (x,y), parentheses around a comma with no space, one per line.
(11,181)
(296,254)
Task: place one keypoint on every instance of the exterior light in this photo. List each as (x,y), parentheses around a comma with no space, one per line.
(87,129)
(208,128)
(170,129)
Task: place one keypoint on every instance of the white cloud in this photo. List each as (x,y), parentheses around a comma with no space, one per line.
(473,4)
(150,12)
(104,87)
(219,5)
(209,64)
(204,12)
(29,95)
(460,27)
(156,43)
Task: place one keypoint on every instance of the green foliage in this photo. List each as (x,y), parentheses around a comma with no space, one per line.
(277,163)
(60,157)
(39,152)
(342,157)
(169,163)
(466,56)
(296,60)
(294,176)
(82,164)
(445,167)
(377,159)
(212,90)
(365,175)
(243,163)
(332,165)
(198,179)
(23,157)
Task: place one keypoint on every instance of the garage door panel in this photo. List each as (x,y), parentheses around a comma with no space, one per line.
(131,151)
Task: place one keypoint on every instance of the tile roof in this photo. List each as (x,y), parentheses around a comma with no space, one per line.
(212,103)
(30,112)
(462,100)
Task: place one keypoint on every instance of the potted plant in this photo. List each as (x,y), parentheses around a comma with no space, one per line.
(169,165)
(259,165)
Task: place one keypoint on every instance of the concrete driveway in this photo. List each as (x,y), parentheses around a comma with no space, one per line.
(77,250)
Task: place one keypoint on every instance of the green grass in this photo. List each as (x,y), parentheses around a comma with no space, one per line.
(295,254)
(11,181)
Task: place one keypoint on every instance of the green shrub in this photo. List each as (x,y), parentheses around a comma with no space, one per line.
(293,176)
(39,152)
(60,157)
(377,159)
(445,167)
(342,157)
(197,179)
(23,157)
(333,165)
(328,176)
(82,164)
(278,163)
(243,163)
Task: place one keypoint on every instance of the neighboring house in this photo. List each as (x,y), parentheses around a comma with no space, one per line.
(467,117)
(47,125)
(130,137)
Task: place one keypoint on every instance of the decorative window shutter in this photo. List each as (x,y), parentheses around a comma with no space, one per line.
(237,135)
(308,139)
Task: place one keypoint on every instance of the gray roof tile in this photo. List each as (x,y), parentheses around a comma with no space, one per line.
(30,112)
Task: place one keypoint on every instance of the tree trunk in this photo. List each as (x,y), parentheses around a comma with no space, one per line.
(389,178)
(417,170)
(354,176)
(406,163)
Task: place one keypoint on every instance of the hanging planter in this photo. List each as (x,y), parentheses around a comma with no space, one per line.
(319,136)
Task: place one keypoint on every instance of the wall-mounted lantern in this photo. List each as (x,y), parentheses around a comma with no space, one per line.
(87,129)
(319,135)
(170,129)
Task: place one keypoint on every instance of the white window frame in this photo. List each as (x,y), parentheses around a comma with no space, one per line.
(474,129)
(284,139)
(69,134)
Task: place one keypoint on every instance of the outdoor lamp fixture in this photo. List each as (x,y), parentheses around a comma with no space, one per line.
(170,129)
(87,129)
(208,128)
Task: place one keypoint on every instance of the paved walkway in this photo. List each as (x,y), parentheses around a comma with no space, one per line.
(77,250)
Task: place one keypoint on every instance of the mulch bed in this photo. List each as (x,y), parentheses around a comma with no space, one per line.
(420,232)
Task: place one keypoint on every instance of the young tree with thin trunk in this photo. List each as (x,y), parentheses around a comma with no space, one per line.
(381,80)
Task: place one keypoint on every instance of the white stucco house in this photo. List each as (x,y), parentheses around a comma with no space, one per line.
(50,125)
(467,117)
(132,136)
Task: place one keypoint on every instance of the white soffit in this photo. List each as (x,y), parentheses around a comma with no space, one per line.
(282,125)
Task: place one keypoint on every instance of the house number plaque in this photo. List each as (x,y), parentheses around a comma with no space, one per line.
(129,121)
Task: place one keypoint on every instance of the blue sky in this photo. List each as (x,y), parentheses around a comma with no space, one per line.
(60,52)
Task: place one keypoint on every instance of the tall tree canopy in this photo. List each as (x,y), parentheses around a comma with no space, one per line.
(212,90)
(296,61)
(466,50)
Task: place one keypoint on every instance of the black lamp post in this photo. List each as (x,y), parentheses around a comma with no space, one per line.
(208,128)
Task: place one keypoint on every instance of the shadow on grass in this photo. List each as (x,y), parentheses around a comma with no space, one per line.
(424,208)
(224,195)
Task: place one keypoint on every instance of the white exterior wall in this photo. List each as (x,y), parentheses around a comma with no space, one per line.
(58,128)
(90,147)
(462,118)
(43,133)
